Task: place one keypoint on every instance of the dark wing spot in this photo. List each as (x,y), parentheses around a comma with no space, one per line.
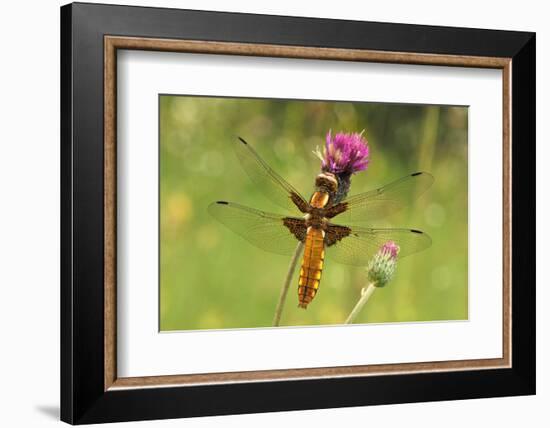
(297,227)
(242,141)
(417,231)
(416,173)
(222,202)
(334,233)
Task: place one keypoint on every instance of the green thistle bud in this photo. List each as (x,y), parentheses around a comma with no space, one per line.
(381,267)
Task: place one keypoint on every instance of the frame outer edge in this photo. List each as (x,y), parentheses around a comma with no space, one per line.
(87,211)
(239,27)
(523,218)
(82,400)
(66,259)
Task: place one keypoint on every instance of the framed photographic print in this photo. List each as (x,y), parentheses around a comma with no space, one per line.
(265,213)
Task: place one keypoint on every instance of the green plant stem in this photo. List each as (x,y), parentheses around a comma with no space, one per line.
(366,292)
(286,284)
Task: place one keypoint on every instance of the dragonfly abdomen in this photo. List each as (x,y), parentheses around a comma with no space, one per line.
(312,266)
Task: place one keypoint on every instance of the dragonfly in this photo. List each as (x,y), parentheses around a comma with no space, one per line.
(322,223)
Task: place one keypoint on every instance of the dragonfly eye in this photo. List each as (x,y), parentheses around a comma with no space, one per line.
(327,182)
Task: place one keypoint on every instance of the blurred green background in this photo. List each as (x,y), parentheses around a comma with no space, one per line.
(210,278)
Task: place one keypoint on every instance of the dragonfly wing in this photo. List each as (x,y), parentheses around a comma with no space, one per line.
(357,245)
(270,232)
(379,203)
(274,187)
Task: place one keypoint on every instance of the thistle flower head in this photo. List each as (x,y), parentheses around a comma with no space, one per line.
(381,268)
(345,153)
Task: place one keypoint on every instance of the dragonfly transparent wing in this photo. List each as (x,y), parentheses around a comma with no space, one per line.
(356,245)
(270,232)
(380,203)
(273,186)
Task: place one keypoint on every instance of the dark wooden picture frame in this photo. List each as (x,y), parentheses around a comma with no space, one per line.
(90,389)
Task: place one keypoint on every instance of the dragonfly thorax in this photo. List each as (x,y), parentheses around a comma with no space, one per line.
(316,219)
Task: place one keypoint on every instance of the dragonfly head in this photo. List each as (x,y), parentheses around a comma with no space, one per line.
(326,182)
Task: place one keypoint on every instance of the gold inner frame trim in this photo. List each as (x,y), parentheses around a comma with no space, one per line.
(113,43)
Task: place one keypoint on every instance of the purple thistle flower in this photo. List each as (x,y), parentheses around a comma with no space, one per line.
(345,153)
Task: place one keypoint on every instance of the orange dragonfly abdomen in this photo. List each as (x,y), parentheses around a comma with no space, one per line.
(312,266)
(314,257)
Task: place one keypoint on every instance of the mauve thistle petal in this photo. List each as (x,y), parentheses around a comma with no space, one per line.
(390,248)
(345,153)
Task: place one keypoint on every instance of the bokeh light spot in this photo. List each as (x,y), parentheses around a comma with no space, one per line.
(435,215)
